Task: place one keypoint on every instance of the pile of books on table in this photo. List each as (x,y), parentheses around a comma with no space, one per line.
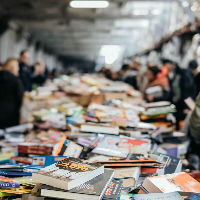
(90,138)
(75,179)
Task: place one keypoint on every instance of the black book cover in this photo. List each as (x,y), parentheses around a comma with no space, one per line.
(170,163)
(113,190)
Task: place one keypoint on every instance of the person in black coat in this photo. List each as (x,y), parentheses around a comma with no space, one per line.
(25,70)
(193,66)
(38,74)
(11,94)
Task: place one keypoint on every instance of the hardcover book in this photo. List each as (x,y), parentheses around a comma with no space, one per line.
(68,173)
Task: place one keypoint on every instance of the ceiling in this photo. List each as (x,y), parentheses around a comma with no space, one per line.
(132,24)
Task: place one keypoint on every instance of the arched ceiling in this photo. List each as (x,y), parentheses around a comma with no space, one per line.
(131,24)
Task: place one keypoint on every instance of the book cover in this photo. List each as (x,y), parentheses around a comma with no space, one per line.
(32,148)
(111,146)
(158,196)
(181,182)
(68,173)
(128,175)
(47,160)
(171,164)
(194,197)
(91,190)
(9,185)
(119,146)
(113,190)
(71,149)
(9,173)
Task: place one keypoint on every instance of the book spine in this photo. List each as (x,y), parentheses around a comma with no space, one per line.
(9,185)
(33,148)
(35,152)
(7,173)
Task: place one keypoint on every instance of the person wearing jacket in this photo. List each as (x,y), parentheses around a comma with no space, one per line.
(25,70)
(11,94)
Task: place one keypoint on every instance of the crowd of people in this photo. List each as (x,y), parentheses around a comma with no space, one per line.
(168,82)
(17,76)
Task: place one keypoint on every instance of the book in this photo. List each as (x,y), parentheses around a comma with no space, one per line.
(194,197)
(19,128)
(17,191)
(94,189)
(110,146)
(68,173)
(9,185)
(47,160)
(113,190)
(128,175)
(190,103)
(34,148)
(20,159)
(9,173)
(157,104)
(137,162)
(158,196)
(120,146)
(68,148)
(181,182)
(97,128)
(171,164)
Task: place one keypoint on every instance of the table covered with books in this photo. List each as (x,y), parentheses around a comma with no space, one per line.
(86,137)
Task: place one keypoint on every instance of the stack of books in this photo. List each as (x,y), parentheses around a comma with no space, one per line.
(74,179)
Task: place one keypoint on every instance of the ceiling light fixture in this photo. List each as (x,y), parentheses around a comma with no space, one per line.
(185,4)
(89,4)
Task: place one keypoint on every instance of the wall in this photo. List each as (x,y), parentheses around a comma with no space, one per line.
(11,44)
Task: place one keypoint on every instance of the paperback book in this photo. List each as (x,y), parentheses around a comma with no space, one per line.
(68,173)
(94,189)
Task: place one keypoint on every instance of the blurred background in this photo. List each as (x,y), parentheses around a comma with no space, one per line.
(84,35)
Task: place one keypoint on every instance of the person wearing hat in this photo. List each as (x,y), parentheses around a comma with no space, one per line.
(193,66)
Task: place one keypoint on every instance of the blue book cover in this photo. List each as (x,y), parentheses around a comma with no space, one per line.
(194,197)
(9,173)
(9,185)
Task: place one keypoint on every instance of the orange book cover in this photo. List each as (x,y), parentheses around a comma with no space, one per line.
(182,182)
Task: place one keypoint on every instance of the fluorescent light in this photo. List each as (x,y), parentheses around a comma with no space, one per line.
(89,4)
(193,8)
(185,4)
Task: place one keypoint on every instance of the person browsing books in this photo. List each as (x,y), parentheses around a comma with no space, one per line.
(11,94)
